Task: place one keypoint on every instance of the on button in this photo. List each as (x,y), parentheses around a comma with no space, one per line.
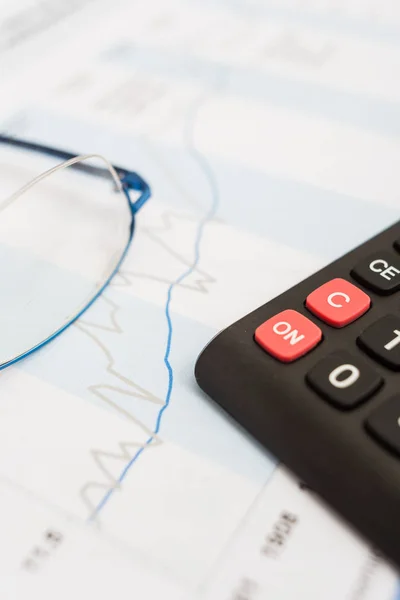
(288,335)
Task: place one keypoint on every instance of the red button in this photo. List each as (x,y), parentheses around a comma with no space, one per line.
(338,302)
(288,335)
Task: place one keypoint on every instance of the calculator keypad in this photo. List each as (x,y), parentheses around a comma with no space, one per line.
(379,272)
(344,379)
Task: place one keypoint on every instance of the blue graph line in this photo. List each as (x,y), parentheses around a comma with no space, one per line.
(203,164)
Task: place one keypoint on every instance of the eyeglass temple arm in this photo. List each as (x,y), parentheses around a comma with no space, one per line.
(129,179)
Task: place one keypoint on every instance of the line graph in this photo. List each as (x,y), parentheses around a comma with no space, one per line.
(125,277)
(127,452)
(122,385)
(134,388)
(153,439)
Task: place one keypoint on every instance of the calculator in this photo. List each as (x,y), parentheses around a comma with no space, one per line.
(314,376)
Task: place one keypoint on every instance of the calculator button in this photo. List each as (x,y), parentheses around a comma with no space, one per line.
(382,341)
(397,245)
(344,380)
(380,272)
(384,424)
(288,335)
(338,302)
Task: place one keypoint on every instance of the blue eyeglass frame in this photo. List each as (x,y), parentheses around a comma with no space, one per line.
(130,180)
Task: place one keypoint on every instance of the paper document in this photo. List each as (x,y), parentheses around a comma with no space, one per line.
(270,135)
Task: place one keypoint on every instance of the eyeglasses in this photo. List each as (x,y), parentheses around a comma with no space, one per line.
(63,237)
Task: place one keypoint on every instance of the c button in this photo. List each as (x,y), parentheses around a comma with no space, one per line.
(338,302)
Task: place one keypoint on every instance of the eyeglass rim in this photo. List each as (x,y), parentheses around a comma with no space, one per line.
(60,167)
(126,182)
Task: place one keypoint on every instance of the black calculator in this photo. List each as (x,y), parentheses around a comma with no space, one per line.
(314,375)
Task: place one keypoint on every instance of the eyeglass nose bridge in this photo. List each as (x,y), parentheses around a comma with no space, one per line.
(132,181)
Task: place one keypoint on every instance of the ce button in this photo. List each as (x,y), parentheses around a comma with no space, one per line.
(379,272)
